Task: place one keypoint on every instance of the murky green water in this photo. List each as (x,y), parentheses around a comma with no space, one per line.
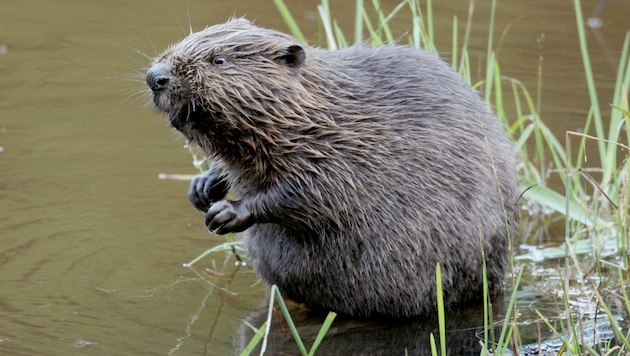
(92,242)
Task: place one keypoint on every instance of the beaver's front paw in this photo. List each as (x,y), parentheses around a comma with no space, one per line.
(228,216)
(206,189)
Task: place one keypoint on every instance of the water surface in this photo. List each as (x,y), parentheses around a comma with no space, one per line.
(92,242)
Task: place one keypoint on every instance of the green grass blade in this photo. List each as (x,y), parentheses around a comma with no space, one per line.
(260,332)
(289,20)
(430,30)
(464,62)
(620,100)
(358,22)
(324,14)
(322,332)
(490,44)
(524,136)
(263,347)
(417,30)
(590,81)
(375,38)
(489,81)
(226,246)
(287,317)
(624,291)
(551,199)
(341,39)
(434,351)
(487,309)
(382,25)
(611,318)
(507,328)
(440,305)
(498,93)
(454,45)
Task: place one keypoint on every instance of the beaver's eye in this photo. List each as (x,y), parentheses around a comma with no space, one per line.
(219,60)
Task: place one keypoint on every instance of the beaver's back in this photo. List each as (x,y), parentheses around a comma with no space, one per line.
(421,173)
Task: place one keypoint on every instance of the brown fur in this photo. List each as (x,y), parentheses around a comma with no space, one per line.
(357,170)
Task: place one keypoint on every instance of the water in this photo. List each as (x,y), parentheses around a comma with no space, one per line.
(92,242)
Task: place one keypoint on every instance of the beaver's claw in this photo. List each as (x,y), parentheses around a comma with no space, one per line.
(228,216)
(206,189)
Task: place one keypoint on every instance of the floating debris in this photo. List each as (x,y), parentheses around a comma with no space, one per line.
(84,344)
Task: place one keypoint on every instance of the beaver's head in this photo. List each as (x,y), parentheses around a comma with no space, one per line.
(233,81)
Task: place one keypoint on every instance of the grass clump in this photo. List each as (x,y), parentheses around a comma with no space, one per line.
(263,331)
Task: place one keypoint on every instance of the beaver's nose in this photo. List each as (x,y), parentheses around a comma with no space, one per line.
(157,77)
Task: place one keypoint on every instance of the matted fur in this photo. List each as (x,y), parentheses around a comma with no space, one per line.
(357,170)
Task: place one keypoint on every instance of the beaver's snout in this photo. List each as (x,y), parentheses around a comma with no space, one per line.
(158,77)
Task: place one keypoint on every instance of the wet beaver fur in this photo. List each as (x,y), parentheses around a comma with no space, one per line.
(357,170)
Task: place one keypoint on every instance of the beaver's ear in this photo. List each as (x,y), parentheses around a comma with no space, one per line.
(292,56)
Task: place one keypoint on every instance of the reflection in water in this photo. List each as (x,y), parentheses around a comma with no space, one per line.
(464,332)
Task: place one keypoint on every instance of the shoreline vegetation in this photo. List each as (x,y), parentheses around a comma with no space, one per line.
(594,204)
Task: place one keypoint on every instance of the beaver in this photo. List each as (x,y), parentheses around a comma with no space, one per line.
(356,171)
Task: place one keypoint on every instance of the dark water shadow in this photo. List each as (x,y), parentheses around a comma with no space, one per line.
(464,331)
